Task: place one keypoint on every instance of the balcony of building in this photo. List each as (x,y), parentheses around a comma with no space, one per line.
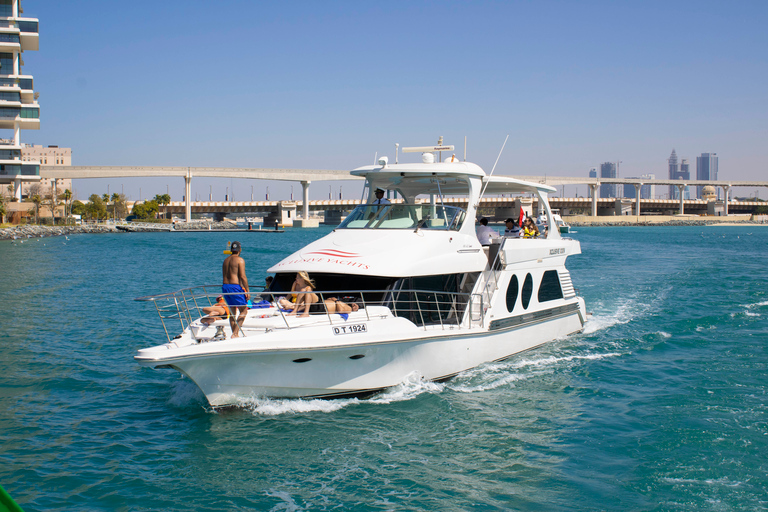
(18,170)
(30,37)
(21,85)
(28,117)
(10,42)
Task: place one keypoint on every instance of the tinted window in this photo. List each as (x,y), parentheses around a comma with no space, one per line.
(512,291)
(527,291)
(550,287)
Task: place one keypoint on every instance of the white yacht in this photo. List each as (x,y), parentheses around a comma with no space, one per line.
(432,301)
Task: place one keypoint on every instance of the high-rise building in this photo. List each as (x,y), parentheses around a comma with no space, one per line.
(608,170)
(706,169)
(677,172)
(19,109)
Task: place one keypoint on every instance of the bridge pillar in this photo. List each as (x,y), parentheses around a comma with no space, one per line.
(305,191)
(188,198)
(593,194)
(726,188)
(637,198)
(681,189)
(17,189)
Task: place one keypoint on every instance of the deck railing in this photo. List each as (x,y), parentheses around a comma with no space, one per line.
(425,308)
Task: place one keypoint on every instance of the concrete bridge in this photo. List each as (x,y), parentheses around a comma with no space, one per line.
(284,212)
(306,176)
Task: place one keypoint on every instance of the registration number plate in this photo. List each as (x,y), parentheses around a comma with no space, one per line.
(350,329)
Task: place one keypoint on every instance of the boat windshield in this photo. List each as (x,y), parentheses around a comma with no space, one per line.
(404,216)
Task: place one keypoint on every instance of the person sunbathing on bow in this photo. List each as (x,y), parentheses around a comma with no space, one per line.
(219,311)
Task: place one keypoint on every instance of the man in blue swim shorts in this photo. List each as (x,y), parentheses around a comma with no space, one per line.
(235,288)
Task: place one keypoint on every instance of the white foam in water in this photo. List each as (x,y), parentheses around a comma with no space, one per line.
(278,406)
(413,386)
(501,374)
(289,504)
(664,335)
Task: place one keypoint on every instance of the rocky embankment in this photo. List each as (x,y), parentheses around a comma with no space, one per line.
(15,232)
(666,223)
(201,225)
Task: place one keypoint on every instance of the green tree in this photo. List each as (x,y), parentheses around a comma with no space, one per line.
(145,210)
(77,208)
(2,208)
(95,209)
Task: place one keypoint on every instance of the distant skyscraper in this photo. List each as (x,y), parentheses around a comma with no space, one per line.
(706,169)
(593,172)
(608,170)
(677,172)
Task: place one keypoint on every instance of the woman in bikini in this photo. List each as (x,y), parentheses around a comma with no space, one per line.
(334,305)
(303,300)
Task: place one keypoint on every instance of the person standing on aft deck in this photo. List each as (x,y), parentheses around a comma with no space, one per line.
(235,288)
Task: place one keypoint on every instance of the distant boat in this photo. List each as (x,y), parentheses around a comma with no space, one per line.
(562,226)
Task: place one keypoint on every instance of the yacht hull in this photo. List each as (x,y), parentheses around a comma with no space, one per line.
(235,378)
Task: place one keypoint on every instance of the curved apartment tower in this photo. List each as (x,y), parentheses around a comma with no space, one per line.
(19,109)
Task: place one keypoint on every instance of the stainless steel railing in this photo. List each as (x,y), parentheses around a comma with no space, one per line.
(425,308)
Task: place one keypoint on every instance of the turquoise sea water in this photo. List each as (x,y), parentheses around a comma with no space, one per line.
(659,405)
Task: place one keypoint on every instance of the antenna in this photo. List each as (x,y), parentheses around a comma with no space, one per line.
(397,148)
(494,168)
(465,148)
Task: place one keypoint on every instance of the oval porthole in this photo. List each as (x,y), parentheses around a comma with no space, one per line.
(512,290)
(525,296)
(302,360)
(357,356)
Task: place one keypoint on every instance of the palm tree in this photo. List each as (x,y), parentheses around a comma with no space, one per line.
(115,198)
(67,195)
(163,199)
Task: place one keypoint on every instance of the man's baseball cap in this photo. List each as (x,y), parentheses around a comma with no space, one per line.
(235,247)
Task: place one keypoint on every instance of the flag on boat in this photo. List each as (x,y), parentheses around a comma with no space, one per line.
(522,215)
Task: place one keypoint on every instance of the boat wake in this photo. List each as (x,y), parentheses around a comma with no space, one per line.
(496,375)
(476,380)
(628,309)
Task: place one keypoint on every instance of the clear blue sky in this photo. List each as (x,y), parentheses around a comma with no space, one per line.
(327,85)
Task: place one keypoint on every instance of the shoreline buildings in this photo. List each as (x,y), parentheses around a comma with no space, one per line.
(19,109)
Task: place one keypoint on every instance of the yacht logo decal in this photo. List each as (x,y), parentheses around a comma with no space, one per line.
(327,256)
(336,253)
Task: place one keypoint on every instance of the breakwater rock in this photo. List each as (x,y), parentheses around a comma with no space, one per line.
(15,232)
(201,225)
(682,222)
